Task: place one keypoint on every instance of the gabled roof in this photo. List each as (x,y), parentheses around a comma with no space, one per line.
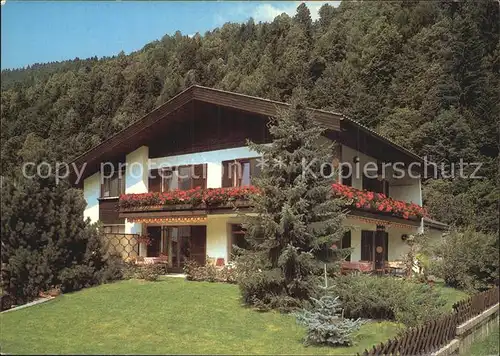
(330,120)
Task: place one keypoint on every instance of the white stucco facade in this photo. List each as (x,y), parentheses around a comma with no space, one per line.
(136,173)
(407,188)
(91,193)
(219,235)
(397,247)
(136,181)
(218,232)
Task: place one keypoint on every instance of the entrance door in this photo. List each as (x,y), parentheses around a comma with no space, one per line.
(381,245)
(374,247)
(153,248)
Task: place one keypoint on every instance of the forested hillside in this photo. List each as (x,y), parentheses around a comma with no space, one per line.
(423,73)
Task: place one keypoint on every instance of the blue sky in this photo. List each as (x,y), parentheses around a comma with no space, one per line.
(53,31)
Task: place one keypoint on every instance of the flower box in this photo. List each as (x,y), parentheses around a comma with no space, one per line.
(377,202)
(186,199)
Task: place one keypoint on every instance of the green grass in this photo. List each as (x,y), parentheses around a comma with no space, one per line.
(451,295)
(168,316)
(488,346)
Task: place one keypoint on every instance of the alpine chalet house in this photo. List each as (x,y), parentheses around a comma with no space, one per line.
(172,179)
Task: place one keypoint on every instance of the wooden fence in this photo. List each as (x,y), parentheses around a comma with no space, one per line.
(475,305)
(431,336)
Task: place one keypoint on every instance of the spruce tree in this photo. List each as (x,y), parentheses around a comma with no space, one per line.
(325,323)
(295,219)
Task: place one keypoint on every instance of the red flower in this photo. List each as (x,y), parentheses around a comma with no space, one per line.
(360,199)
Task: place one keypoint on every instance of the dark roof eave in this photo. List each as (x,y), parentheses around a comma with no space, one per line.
(382,138)
(197,92)
(438,225)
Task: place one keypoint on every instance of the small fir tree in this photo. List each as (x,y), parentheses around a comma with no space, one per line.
(325,323)
(296,220)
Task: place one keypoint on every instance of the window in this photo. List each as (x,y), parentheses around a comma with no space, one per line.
(238,238)
(376,185)
(166,176)
(113,186)
(184,181)
(182,178)
(190,177)
(239,173)
(113,229)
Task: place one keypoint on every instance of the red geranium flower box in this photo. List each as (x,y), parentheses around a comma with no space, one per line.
(355,198)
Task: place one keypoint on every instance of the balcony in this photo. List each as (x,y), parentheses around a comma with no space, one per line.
(196,201)
(378,203)
(203,201)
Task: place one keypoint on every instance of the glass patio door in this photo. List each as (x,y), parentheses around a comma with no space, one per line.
(185,243)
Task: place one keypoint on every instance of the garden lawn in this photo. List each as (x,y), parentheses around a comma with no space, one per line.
(168,316)
(488,346)
(451,295)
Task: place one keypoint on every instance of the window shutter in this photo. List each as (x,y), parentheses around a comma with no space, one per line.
(199,176)
(367,245)
(254,168)
(346,180)
(346,242)
(386,247)
(154,181)
(226,174)
(121,182)
(102,187)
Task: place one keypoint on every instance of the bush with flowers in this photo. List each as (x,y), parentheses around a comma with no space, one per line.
(209,272)
(355,198)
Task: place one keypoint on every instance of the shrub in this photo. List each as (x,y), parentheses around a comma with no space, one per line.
(150,272)
(25,275)
(77,277)
(226,274)
(387,298)
(45,241)
(114,270)
(130,269)
(267,288)
(325,323)
(466,259)
(208,273)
